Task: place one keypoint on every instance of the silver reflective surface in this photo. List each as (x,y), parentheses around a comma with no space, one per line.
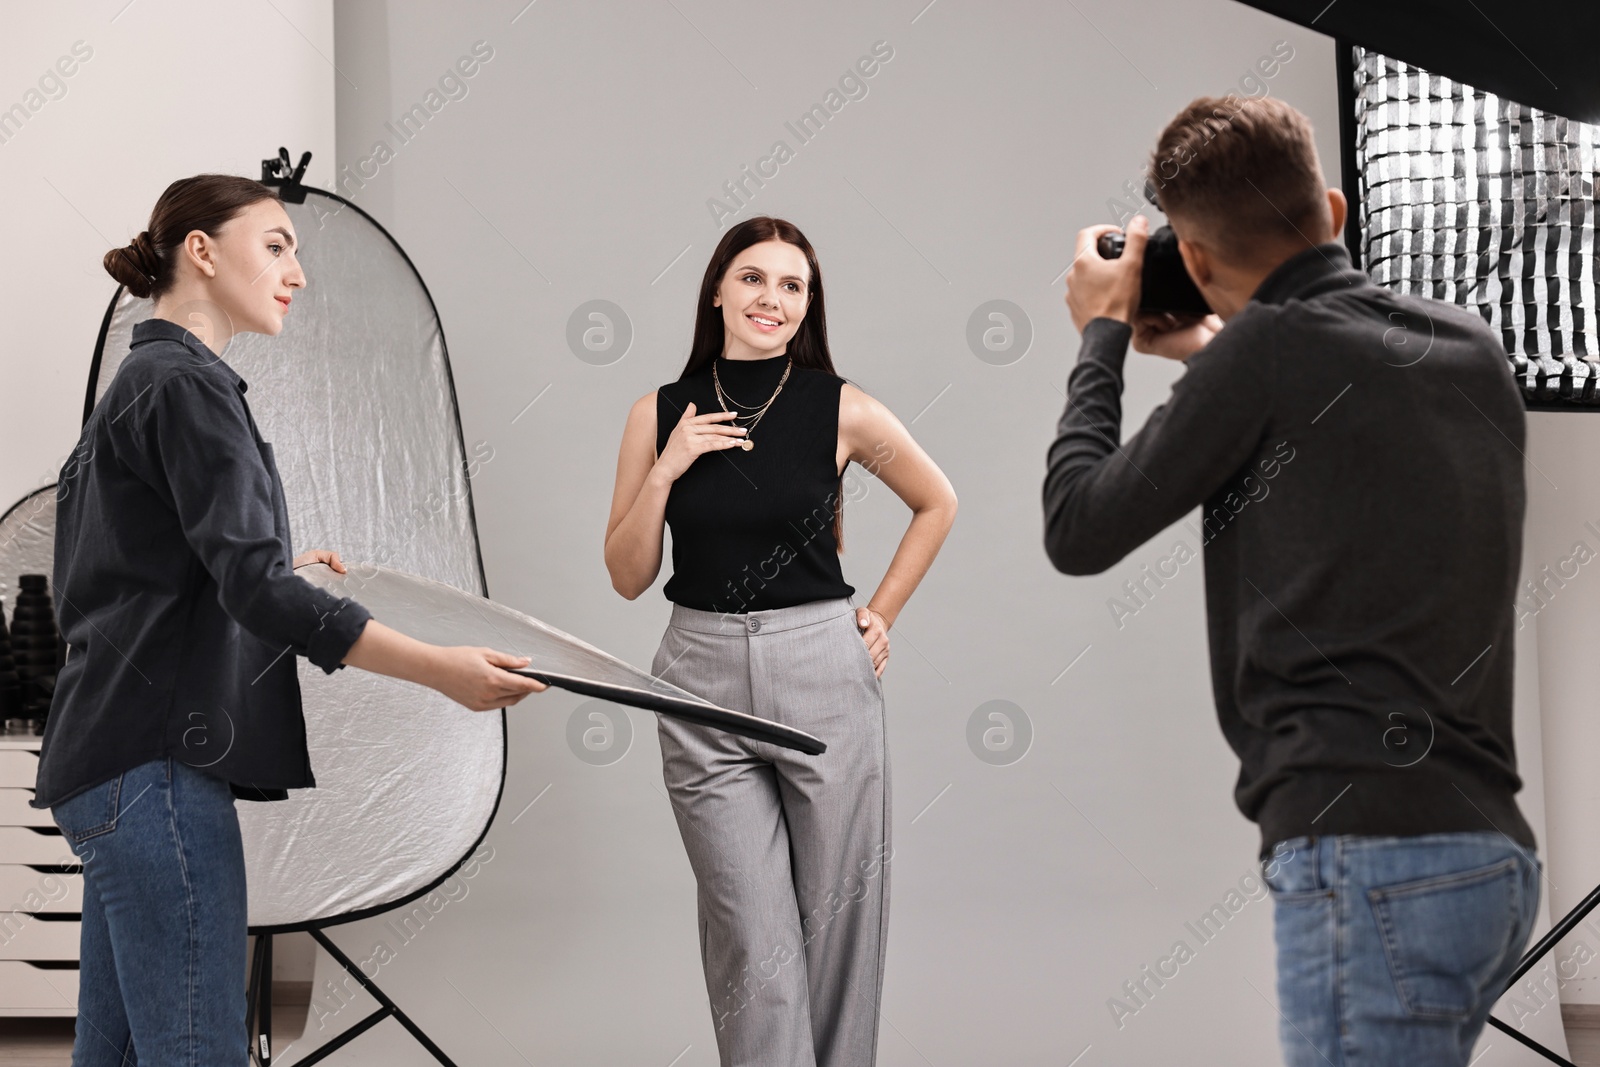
(442,615)
(355,395)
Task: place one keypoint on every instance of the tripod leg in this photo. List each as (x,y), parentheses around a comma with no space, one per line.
(264,1036)
(1557,932)
(1530,1042)
(250,998)
(382,998)
(1534,955)
(260,974)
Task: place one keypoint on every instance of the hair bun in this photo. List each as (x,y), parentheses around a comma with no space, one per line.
(137,265)
(147,258)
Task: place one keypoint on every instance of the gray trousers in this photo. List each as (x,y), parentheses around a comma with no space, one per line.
(791,852)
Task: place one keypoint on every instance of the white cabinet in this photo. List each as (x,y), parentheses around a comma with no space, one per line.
(39,906)
(32,989)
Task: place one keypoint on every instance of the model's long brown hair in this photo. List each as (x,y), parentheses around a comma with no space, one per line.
(809,345)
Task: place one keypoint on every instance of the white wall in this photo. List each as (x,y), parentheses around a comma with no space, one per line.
(1563,516)
(169,89)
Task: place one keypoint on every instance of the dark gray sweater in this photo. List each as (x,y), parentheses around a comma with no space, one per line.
(1358,458)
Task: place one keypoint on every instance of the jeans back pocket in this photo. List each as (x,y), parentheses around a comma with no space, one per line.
(89,814)
(1446,936)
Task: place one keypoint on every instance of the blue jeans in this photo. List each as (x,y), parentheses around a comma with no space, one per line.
(162,959)
(1392,950)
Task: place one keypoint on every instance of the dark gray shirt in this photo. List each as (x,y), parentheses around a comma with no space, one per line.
(174,589)
(1358,458)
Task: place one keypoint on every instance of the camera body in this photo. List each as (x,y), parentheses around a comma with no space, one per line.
(1164,283)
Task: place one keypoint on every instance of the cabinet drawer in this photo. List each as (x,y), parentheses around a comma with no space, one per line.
(19,768)
(26,989)
(27,937)
(25,889)
(19,844)
(14,809)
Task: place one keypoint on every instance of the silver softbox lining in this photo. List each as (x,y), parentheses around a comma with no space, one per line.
(27,541)
(1489,204)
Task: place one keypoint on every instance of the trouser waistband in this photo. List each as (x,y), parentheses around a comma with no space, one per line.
(768,621)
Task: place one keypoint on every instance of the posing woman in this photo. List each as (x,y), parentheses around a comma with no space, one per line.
(790,851)
(178,604)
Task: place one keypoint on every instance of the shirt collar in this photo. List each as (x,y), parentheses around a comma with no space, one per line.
(163,330)
(1316,270)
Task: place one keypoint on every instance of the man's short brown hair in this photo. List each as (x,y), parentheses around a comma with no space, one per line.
(1243,174)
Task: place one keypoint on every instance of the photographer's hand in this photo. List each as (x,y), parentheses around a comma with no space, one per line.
(1173,336)
(1106,288)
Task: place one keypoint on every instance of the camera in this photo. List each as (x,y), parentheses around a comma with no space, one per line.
(1164,283)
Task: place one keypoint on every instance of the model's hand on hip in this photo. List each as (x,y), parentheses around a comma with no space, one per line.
(473,677)
(695,435)
(876,636)
(320,555)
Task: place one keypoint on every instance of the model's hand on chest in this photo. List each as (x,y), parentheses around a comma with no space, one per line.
(695,435)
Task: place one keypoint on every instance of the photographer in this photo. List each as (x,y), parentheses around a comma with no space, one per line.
(1360,638)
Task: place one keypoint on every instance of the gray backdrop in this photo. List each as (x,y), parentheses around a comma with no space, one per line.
(1032,877)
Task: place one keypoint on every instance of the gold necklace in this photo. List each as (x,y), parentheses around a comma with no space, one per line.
(759,410)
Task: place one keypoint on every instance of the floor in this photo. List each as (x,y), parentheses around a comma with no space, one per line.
(1583,1039)
(48,1042)
(35,1042)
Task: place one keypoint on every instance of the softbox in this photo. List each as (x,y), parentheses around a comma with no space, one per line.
(1471,198)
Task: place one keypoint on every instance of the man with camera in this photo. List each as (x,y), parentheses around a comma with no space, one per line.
(1359,619)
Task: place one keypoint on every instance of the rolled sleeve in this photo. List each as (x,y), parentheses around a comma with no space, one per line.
(199,450)
(340,629)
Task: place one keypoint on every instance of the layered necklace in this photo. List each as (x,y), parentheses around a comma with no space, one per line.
(755,412)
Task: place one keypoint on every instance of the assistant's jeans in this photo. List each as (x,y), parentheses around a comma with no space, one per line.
(162,957)
(1392,950)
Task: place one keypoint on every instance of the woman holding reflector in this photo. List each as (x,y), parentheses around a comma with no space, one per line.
(182,615)
(790,851)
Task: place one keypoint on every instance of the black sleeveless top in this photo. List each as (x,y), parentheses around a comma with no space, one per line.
(754,530)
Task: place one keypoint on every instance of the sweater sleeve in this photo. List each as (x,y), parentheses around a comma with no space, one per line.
(1103,499)
(196,449)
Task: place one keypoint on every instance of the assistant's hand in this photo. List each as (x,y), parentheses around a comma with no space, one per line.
(1106,288)
(695,435)
(320,555)
(1178,337)
(875,632)
(473,678)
